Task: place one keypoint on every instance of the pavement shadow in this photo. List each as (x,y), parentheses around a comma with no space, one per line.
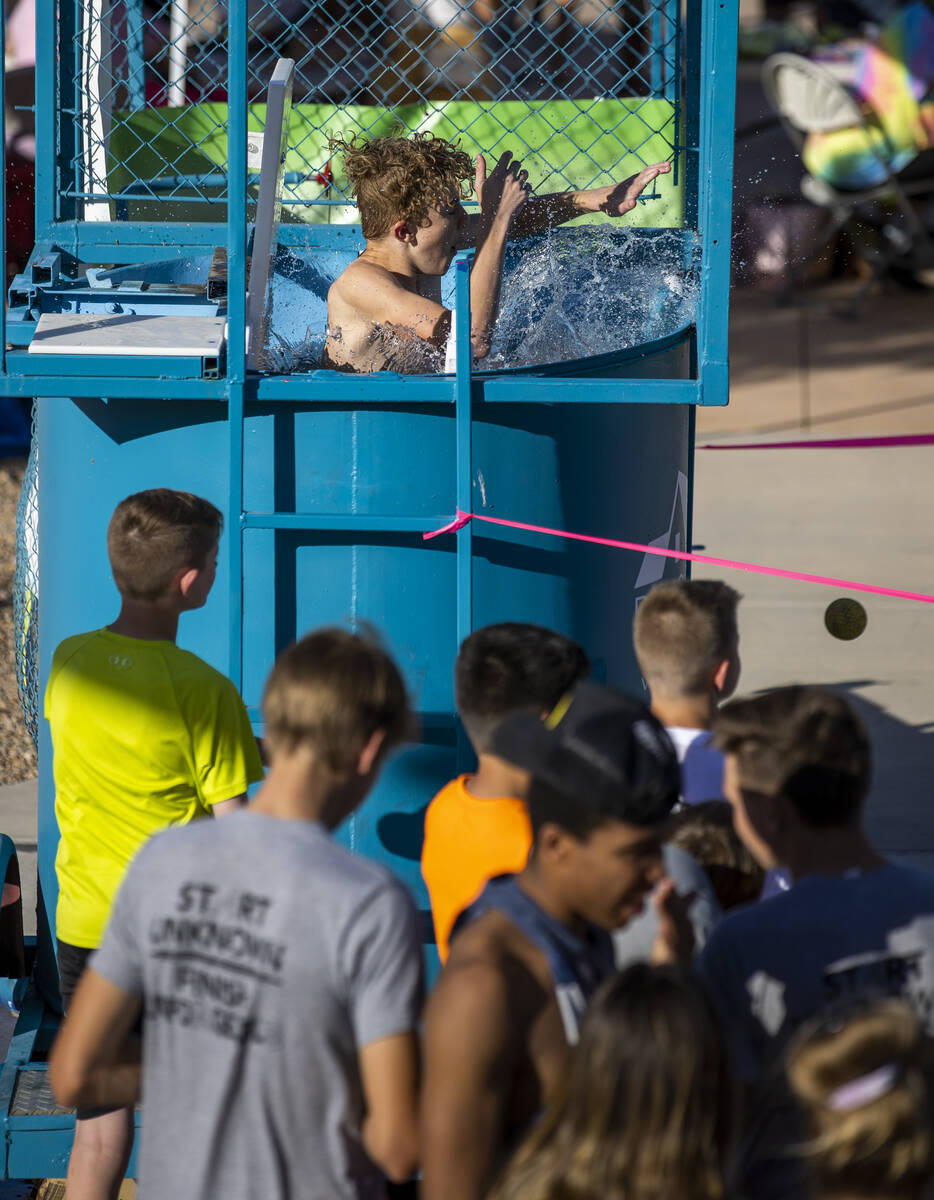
(766,339)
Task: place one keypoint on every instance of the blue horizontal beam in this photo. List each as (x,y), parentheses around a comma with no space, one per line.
(333,387)
(343,389)
(341,522)
(525,389)
(133,241)
(82,387)
(105,366)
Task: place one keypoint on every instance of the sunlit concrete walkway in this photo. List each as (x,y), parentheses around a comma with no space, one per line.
(859,514)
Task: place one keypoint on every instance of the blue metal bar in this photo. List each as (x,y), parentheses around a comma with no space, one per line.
(66,26)
(657,66)
(107,368)
(463,420)
(672,59)
(81,388)
(715,210)
(689,523)
(526,388)
(236,196)
(693,19)
(132,241)
(409,391)
(386,387)
(342,522)
(46,95)
(136,63)
(236,322)
(676,85)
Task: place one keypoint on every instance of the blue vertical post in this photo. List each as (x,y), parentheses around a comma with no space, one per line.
(46,114)
(657,64)
(236,318)
(694,16)
(136,63)
(715,191)
(670,86)
(676,84)
(463,420)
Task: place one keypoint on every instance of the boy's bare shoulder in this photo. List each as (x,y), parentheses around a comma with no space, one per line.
(362,281)
(491,948)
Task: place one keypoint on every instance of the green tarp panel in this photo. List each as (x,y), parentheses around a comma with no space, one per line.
(563,144)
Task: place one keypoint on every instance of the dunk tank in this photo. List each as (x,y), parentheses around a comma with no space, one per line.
(189,220)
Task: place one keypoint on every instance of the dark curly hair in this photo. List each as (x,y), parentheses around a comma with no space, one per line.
(400,178)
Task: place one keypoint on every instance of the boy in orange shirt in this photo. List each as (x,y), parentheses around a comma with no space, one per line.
(477,827)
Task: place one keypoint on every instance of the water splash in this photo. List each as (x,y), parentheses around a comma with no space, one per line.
(599,291)
(571,294)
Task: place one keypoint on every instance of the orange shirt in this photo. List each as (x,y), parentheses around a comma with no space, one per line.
(467,842)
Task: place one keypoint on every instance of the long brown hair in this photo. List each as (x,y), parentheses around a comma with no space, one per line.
(865,1080)
(646,1110)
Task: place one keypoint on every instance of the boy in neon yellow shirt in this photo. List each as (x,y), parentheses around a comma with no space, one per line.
(145,735)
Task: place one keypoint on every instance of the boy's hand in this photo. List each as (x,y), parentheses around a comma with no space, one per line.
(502,192)
(620,198)
(674,941)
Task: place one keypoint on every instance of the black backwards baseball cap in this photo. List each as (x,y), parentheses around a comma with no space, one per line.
(600,746)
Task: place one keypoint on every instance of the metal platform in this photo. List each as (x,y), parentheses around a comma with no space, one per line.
(32,1095)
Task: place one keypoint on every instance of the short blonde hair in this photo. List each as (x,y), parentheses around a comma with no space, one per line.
(399,179)
(682,630)
(883,1146)
(331,691)
(157,533)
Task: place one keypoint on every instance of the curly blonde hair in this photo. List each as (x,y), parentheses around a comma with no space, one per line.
(884,1145)
(400,178)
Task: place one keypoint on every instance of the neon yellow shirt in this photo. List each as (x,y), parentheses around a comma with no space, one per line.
(145,736)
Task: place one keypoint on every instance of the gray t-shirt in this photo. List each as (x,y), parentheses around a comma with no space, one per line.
(266,956)
(772,965)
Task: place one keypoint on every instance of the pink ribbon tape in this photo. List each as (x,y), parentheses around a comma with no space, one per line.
(853,443)
(462,518)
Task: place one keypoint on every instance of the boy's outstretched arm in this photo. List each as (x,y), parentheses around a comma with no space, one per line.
(501,198)
(546,212)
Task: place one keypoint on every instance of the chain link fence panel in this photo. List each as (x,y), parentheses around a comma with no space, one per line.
(584,91)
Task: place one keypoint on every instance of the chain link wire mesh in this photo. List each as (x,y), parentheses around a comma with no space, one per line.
(582,90)
(26,592)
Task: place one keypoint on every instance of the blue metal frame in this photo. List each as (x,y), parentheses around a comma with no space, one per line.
(704,96)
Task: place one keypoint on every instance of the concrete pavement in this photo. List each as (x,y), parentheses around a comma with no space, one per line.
(18,820)
(862,514)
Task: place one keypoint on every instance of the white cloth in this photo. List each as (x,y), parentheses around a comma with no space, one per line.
(701,764)
(450,350)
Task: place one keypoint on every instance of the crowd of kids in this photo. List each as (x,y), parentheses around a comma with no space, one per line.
(260,989)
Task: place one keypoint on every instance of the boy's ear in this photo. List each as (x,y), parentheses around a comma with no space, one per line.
(402,231)
(554,843)
(726,676)
(186,580)
(370,752)
(721,673)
